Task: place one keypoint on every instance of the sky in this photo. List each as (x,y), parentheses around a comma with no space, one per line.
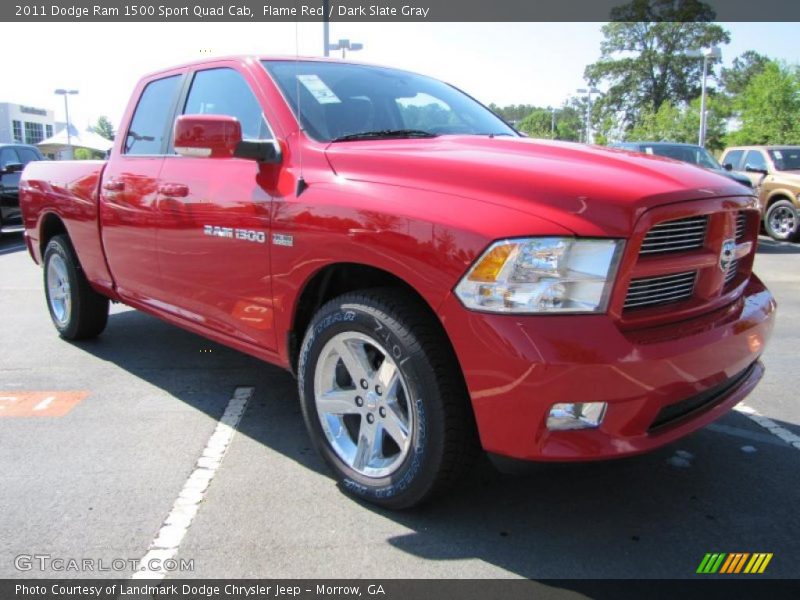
(504,63)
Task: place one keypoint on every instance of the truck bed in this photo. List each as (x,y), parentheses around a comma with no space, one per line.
(69,190)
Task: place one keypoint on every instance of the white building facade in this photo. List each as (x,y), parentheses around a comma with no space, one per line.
(20,124)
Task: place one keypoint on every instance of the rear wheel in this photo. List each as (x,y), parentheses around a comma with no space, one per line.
(77,311)
(781,221)
(383,399)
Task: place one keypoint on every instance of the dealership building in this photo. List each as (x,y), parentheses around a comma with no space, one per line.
(22,124)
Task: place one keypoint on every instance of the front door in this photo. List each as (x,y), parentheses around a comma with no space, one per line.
(213,231)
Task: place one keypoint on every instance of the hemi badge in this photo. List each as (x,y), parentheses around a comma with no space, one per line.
(282,239)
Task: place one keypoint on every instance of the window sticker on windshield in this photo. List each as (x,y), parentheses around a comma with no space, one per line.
(648,151)
(778,154)
(321,92)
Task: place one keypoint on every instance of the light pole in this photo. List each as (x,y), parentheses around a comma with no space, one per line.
(588,93)
(65,93)
(707,53)
(326,29)
(553,123)
(345,45)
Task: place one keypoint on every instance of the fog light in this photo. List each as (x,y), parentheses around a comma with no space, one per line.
(576,415)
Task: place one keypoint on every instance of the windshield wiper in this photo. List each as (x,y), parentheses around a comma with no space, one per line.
(384,134)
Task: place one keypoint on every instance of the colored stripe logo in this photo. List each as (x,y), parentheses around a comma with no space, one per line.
(734,563)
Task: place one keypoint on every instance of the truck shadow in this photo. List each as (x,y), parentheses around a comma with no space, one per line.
(649,516)
(11,242)
(769,246)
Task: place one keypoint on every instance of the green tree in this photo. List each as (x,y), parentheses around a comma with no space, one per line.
(644,58)
(681,123)
(570,120)
(538,124)
(513,113)
(104,127)
(769,107)
(86,154)
(735,79)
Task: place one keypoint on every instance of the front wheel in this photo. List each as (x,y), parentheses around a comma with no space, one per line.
(77,311)
(383,399)
(781,221)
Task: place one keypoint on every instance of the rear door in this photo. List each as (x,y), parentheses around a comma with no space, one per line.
(129,192)
(214,219)
(9,183)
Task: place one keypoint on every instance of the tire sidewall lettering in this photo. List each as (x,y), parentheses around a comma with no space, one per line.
(365,322)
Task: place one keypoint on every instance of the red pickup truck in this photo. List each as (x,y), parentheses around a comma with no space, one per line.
(436,281)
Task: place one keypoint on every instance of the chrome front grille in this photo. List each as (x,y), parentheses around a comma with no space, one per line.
(679,235)
(741,225)
(733,269)
(665,289)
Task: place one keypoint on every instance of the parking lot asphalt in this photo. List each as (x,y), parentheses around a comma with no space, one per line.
(115,426)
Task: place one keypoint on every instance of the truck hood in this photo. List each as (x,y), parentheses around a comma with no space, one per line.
(588,189)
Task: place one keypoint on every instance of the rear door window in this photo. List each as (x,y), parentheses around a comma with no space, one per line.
(150,125)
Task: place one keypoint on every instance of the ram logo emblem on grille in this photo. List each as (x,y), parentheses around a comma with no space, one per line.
(728,255)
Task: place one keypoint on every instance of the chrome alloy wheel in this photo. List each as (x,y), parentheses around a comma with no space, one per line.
(783,220)
(363,404)
(58,290)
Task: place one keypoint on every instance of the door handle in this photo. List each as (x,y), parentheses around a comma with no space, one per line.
(174,190)
(114,185)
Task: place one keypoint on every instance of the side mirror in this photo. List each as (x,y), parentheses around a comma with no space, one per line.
(211,136)
(12,167)
(751,169)
(220,136)
(728,167)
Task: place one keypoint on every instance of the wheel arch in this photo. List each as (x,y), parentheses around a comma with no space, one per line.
(336,279)
(778,195)
(50,225)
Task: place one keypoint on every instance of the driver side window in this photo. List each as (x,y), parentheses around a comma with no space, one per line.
(225,92)
(755,160)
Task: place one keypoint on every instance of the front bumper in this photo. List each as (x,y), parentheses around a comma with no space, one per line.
(660,383)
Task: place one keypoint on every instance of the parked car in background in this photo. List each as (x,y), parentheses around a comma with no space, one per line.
(775,173)
(695,155)
(13,158)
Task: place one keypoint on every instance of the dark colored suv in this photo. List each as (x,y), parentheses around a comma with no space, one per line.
(689,153)
(13,158)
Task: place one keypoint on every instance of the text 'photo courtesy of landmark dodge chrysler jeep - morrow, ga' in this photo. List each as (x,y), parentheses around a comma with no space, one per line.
(437,282)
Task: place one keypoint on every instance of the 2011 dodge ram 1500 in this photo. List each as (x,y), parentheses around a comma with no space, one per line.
(436,281)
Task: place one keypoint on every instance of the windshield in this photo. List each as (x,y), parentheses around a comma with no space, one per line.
(339,100)
(690,154)
(786,159)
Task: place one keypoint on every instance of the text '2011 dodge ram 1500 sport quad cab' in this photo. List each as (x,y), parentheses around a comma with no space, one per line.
(436,281)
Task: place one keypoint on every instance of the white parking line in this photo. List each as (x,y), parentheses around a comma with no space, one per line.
(167,542)
(777,430)
(44,403)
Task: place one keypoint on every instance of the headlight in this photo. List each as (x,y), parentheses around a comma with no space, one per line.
(542,275)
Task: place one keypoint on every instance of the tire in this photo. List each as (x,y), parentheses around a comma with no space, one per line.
(77,311)
(781,221)
(375,365)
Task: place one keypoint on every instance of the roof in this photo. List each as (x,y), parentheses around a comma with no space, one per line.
(764,147)
(682,144)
